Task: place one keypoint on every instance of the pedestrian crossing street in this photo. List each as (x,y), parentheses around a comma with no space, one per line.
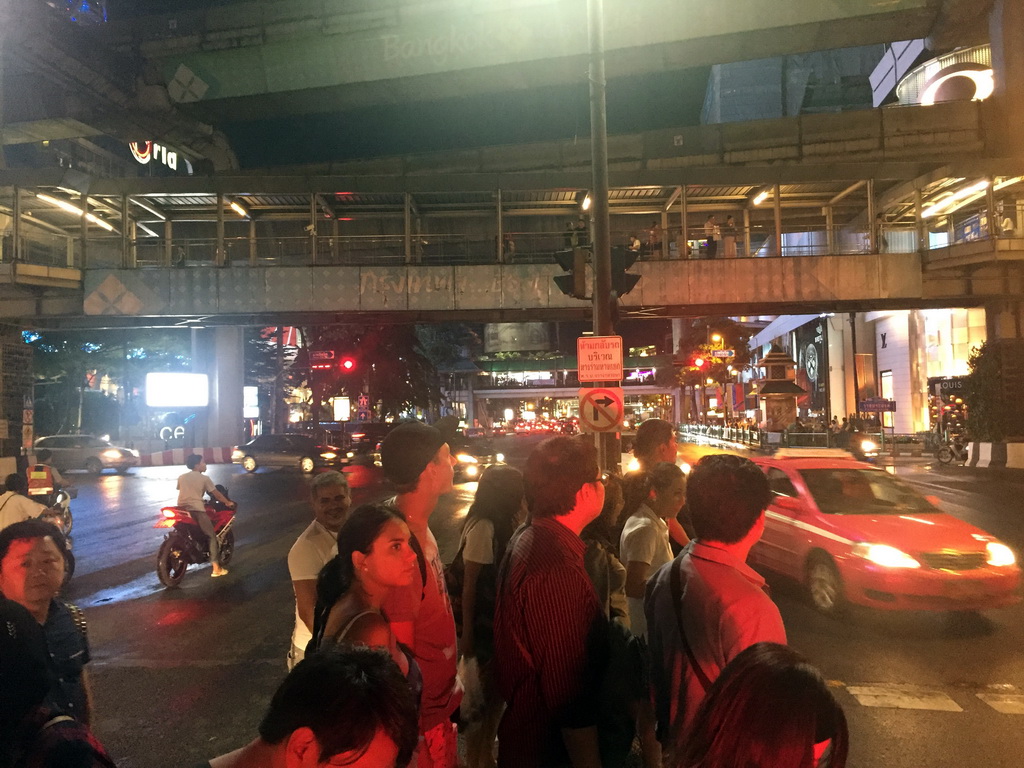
(1004,699)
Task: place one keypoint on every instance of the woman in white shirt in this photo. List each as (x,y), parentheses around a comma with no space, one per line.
(645,545)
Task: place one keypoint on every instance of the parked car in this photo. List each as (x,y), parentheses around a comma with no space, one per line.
(472,456)
(853,533)
(87,452)
(287,450)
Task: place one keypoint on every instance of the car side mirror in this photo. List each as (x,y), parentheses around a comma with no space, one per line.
(789,503)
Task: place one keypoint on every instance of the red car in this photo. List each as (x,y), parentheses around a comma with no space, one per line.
(853,533)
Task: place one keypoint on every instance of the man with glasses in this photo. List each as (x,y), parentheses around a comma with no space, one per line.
(549,626)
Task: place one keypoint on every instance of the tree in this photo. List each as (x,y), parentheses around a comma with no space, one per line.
(991,417)
(697,345)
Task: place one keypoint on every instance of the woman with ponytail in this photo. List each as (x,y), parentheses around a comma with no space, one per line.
(374,557)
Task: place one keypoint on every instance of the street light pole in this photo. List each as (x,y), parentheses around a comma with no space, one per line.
(602,260)
(607,443)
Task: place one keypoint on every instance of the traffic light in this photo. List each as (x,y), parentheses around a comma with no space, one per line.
(573,261)
(622,259)
(347,365)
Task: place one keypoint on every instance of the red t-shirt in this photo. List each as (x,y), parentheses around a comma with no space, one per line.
(434,646)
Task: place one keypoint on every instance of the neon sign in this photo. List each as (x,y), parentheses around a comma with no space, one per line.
(982,77)
(145,151)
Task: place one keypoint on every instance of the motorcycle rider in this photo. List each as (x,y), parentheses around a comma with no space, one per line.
(191,487)
(15,505)
(44,478)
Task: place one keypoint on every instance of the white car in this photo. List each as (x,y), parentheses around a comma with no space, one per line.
(87,452)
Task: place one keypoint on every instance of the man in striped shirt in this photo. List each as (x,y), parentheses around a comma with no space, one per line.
(549,626)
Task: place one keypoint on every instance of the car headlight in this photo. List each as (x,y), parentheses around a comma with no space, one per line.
(999,554)
(685,467)
(633,465)
(112,453)
(465,458)
(471,470)
(868,446)
(329,455)
(350,455)
(499,457)
(236,454)
(886,556)
(133,452)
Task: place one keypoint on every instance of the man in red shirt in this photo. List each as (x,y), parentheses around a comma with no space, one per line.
(549,627)
(418,461)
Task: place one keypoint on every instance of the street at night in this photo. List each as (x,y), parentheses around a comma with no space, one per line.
(182,675)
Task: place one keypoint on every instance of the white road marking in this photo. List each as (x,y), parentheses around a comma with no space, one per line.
(903,697)
(1005,703)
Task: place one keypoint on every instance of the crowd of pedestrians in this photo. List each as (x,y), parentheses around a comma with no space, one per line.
(567,632)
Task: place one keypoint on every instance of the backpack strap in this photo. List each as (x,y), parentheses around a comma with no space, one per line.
(677,604)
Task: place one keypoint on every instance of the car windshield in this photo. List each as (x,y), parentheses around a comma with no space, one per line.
(862,492)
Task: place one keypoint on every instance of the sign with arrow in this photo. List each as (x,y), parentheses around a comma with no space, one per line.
(601,409)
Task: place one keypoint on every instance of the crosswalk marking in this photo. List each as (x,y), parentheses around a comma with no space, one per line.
(903,697)
(1006,703)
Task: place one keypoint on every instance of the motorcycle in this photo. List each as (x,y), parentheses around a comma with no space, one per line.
(954,449)
(186,544)
(59,507)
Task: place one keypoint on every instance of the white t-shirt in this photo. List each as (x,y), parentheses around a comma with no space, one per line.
(311,551)
(644,539)
(191,487)
(14,508)
(479,538)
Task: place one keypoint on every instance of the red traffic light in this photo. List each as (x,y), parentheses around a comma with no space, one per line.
(698,362)
(348,364)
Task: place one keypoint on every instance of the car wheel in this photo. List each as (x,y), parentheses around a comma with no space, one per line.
(249,464)
(825,586)
(93,465)
(944,455)
(307,465)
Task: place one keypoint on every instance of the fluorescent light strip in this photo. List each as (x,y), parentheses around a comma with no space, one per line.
(151,209)
(64,205)
(238,209)
(947,204)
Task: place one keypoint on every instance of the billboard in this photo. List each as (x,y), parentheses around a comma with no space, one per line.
(177,390)
(517,337)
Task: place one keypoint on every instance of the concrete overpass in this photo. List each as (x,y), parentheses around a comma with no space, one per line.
(249,60)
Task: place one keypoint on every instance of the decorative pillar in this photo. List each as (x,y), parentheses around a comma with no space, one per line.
(218,352)
(684,215)
(830,231)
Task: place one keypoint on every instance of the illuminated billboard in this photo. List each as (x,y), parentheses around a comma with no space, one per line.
(177,390)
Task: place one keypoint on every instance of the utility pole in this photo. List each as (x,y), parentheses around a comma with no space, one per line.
(608,449)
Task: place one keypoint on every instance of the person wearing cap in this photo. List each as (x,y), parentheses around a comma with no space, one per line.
(30,732)
(656,442)
(416,458)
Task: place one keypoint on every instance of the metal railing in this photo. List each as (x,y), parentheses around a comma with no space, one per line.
(459,249)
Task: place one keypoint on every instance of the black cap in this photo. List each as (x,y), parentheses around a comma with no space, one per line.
(408,449)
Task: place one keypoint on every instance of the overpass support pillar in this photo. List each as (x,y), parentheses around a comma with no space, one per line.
(1005,23)
(219,353)
(218,257)
(1004,322)
(168,242)
(778,220)
(15,254)
(684,214)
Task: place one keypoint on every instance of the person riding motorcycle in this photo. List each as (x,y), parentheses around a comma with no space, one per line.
(44,479)
(191,487)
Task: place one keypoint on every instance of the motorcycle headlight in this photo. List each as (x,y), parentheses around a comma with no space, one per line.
(471,470)
(885,556)
(868,446)
(499,457)
(999,554)
(329,455)
(465,458)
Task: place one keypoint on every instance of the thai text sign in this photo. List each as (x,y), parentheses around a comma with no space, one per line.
(599,358)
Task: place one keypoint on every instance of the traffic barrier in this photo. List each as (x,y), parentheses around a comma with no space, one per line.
(176,457)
